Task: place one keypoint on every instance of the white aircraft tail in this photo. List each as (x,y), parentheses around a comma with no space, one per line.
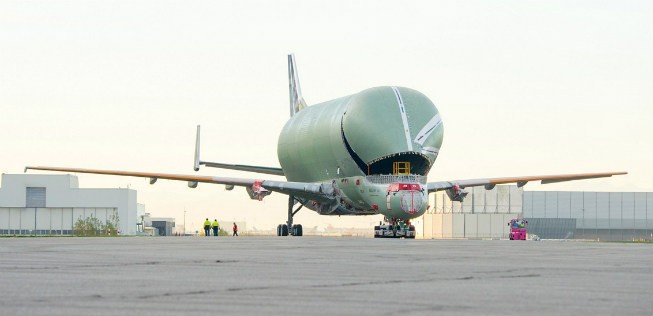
(297,102)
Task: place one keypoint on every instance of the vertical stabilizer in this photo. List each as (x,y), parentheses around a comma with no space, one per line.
(297,102)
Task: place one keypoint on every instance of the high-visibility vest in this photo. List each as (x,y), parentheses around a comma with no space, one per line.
(207,223)
(215,224)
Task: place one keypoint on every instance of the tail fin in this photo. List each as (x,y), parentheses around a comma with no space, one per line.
(297,102)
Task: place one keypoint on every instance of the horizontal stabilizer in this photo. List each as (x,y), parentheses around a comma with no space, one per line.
(197,162)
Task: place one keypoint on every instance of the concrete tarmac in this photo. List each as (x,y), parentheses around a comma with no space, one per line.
(322,276)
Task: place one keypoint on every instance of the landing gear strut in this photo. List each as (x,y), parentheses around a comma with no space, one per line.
(394,228)
(295,230)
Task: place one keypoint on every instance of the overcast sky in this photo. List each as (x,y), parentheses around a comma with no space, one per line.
(524,88)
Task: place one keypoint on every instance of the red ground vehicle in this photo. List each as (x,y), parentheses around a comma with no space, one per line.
(518,229)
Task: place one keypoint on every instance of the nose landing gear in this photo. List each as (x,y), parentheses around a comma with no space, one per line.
(394,228)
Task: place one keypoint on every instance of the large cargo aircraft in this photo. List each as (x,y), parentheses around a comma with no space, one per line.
(337,163)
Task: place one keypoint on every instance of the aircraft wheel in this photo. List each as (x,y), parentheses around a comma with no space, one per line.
(284,230)
(297,230)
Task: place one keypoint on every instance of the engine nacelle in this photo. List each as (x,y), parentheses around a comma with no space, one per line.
(456,193)
(229,187)
(257,191)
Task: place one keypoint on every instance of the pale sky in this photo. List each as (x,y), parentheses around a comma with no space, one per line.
(523,87)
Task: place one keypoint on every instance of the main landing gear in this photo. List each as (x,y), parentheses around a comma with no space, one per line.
(394,228)
(295,230)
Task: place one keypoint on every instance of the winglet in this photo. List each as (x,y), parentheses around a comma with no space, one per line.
(297,102)
(196,165)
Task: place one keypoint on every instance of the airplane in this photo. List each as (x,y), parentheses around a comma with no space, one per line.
(367,153)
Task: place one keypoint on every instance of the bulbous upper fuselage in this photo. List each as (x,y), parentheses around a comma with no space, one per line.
(390,131)
(361,134)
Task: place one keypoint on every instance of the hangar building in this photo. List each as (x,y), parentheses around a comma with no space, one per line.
(164,226)
(41,205)
(590,215)
(550,214)
(482,214)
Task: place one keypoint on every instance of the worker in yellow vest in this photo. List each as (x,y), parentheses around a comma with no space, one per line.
(207,227)
(216,227)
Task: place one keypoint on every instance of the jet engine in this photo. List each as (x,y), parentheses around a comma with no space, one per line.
(257,191)
(456,193)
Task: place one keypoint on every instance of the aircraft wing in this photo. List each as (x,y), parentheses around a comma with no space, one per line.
(521,181)
(257,189)
(257,169)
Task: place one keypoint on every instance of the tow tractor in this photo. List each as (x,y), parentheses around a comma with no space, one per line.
(518,229)
(395,228)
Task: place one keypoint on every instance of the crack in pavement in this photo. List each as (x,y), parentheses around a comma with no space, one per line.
(314,286)
(82,266)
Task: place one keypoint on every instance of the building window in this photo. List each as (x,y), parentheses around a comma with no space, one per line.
(35,197)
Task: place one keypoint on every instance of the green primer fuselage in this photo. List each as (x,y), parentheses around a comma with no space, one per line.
(352,143)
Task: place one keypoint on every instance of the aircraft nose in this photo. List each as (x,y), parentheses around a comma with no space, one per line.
(411,202)
(407,197)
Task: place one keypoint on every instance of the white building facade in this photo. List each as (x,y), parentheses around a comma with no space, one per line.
(43,205)
(482,214)
(616,216)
